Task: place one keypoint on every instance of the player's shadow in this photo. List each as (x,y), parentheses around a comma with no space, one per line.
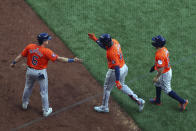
(29,109)
(177,108)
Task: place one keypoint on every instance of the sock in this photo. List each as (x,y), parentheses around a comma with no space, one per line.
(176,97)
(158,94)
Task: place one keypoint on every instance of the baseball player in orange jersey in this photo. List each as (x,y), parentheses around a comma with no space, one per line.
(162,80)
(117,71)
(37,60)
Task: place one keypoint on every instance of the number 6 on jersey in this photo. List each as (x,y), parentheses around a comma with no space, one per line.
(34,60)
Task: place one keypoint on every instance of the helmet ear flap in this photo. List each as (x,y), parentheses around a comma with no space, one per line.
(40,41)
(154,44)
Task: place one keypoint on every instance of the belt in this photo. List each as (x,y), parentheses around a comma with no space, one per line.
(34,68)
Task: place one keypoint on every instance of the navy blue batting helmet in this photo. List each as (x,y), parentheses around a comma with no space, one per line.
(43,37)
(158,41)
(106,40)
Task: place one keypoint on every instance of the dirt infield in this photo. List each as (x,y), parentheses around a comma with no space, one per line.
(68,83)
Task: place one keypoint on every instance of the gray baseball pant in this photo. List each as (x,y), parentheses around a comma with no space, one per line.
(33,75)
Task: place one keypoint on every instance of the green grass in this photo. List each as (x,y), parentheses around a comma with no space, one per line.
(133,23)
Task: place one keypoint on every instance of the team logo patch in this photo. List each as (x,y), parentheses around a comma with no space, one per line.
(160,62)
(53,55)
(113,62)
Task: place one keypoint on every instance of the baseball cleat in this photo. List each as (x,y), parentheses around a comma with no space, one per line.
(153,101)
(183,106)
(24,106)
(48,112)
(141,105)
(101,109)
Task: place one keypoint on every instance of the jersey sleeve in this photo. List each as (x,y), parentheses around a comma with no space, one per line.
(51,55)
(24,53)
(159,62)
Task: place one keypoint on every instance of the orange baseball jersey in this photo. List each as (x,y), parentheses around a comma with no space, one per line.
(38,56)
(114,55)
(162,59)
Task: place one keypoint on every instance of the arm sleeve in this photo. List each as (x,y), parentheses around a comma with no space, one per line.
(117,73)
(100,44)
(51,55)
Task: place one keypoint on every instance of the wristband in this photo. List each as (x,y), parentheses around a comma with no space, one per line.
(152,68)
(70,60)
(14,62)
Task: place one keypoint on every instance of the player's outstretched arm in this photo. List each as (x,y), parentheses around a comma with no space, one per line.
(69,60)
(92,36)
(16,60)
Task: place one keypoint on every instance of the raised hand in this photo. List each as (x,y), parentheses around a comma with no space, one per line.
(92,36)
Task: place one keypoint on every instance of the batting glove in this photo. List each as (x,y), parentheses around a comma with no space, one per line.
(92,36)
(152,69)
(78,60)
(118,85)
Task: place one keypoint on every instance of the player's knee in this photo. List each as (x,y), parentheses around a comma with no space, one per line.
(43,93)
(105,85)
(124,86)
(167,91)
(109,89)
